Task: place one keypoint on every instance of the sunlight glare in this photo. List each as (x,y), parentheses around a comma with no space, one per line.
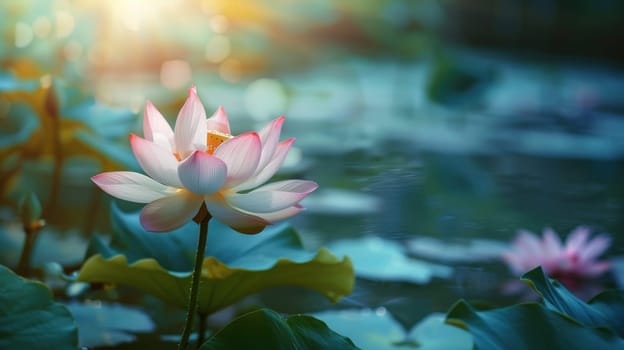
(135,14)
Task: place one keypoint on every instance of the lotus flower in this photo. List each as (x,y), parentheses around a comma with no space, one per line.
(199,162)
(577,259)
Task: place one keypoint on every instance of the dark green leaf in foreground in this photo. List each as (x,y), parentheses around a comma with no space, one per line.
(611,304)
(529,326)
(266,329)
(30,319)
(235,266)
(600,312)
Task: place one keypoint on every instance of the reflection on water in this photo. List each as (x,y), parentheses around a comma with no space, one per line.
(452,196)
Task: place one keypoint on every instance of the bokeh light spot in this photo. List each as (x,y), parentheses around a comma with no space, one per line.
(219,24)
(45,81)
(42,27)
(23,34)
(64,24)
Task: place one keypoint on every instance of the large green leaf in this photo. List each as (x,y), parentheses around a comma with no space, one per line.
(266,329)
(599,313)
(30,319)
(610,303)
(529,326)
(235,266)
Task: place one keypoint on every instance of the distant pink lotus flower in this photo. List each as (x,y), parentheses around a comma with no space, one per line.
(201,162)
(577,259)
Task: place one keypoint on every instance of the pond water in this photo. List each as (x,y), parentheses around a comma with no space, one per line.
(400,161)
(530,148)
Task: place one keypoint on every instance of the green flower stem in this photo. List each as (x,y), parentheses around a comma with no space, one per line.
(23,266)
(203,317)
(52,107)
(92,214)
(199,258)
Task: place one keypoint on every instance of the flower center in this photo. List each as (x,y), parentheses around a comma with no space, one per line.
(214,139)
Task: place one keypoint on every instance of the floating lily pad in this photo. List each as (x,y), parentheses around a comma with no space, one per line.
(30,319)
(384,260)
(50,246)
(235,266)
(106,324)
(266,329)
(367,328)
(600,312)
(65,249)
(473,251)
(376,329)
(341,202)
(529,326)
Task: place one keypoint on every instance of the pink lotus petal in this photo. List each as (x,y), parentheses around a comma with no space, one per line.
(595,247)
(577,239)
(202,173)
(171,212)
(190,129)
(131,186)
(298,186)
(241,154)
(219,122)
(269,136)
(551,243)
(529,246)
(281,214)
(515,262)
(156,128)
(236,219)
(576,260)
(273,198)
(270,169)
(527,241)
(594,269)
(156,161)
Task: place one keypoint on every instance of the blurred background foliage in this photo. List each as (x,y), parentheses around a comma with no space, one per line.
(451,119)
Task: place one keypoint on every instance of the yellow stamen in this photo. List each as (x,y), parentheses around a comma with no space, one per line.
(214,139)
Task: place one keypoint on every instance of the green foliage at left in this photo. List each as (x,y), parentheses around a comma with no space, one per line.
(30,319)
